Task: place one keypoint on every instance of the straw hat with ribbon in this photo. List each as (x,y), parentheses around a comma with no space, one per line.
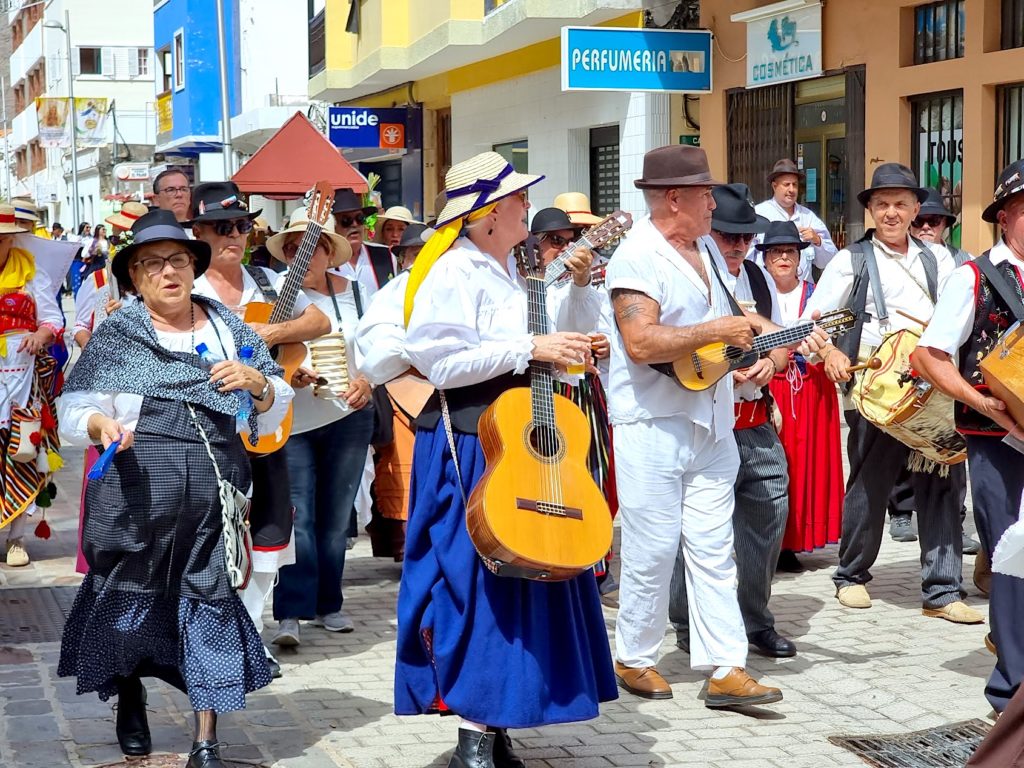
(299,222)
(473,188)
(577,205)
(398,213)
(130,213)
(25,209)
(8,224)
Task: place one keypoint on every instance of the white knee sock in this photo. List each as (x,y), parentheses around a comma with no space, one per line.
(469,725)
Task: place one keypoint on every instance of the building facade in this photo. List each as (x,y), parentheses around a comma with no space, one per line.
(938,86)
(481,75)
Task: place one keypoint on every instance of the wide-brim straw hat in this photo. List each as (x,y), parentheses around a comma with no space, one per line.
(129,214)
(25,209)
(299,222)
(8,223)
(398,213)
(476,183)
(577,206)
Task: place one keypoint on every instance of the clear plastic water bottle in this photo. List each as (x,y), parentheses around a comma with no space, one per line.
(208,359)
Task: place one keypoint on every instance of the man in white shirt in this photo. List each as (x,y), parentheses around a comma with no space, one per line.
(970,317)
(782,206)
(172,192)
(762,484)
(910,273)
(676,459)
(372,264)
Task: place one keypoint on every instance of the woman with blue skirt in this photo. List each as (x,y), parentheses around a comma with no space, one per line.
(499,652)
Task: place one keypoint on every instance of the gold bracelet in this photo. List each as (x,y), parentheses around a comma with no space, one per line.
(829,352)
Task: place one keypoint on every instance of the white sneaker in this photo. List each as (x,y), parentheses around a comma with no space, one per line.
(334,622)
(287,633)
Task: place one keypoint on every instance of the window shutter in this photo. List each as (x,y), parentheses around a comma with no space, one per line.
(76,62)
(133,62)
(107,67)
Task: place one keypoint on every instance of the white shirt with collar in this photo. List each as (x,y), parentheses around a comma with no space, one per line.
(902,292)
(803,217)
(953,322)
(250,291)
(647,263)
(379,343)
(573,308)
(362,270)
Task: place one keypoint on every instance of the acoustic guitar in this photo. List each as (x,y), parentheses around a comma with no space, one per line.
(609,229)
(706,366)
(537,511)
(291,355)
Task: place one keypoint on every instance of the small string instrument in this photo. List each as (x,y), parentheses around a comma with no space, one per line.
(610,229)
(537,512)
(292,355)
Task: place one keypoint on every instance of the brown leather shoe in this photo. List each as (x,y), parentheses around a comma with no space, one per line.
(738,689)
(644,682)
(982,573)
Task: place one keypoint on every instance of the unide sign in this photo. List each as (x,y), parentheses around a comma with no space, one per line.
(353,119)
(353,127)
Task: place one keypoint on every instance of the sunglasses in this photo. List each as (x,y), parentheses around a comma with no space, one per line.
(556,240)
(730,237)
(290,249)
(225,228)
(931,221)
(347,221)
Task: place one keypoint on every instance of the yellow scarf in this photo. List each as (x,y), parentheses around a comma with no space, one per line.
(436,247)
(19,269)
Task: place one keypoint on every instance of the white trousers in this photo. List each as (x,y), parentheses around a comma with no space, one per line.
(675,481)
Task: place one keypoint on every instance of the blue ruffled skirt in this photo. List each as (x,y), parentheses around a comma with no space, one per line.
(510,653)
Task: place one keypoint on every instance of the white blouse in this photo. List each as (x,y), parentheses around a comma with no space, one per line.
(379,342)
(75,408)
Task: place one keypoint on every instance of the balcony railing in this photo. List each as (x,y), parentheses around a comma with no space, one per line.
(493,5)
(317,44)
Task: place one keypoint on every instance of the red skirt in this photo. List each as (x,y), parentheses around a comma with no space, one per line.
(810,438)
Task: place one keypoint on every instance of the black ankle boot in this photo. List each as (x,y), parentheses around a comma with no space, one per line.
(205,754)
(132,726)
(475,750)
(504,757)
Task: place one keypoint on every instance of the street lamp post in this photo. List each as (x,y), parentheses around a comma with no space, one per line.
(66,26)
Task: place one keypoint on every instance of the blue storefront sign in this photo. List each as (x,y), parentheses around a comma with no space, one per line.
(351,127)
(612,59)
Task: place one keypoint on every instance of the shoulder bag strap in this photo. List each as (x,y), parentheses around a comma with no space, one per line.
(999,284)
(359,299)
(931,268)
(262,282)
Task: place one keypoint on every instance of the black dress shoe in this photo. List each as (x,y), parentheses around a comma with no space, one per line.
(132,726)
(504,756)
(788,562)
(205,754)
(475,750)
(768,642)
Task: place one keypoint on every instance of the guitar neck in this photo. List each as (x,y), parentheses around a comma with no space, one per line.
(285,304)
(782,338)
(557,266)
(542,393)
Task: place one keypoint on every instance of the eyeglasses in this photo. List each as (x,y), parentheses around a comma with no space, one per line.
(225,228)
(931,221)
(290,249)
(174,191)
(556,240)
(731,237)
(347,221)
(154,265)
(778,254)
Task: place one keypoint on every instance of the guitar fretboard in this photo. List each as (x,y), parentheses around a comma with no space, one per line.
(794,334)
(542,393)
(285,304)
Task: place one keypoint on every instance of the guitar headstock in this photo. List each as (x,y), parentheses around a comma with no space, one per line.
(609,230)
(837,322)
(321,200)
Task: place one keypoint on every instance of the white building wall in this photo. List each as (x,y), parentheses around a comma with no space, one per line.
(274,39)
(556,126)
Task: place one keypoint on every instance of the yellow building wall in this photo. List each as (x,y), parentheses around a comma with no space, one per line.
(879,34)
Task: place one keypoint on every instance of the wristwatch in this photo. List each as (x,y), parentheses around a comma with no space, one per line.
(263,394)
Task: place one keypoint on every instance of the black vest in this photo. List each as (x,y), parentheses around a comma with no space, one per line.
(759,289)
(382,262)
(991,319)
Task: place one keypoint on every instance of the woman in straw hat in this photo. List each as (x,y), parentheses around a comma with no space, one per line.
(30,320)
(499,652)
(392,223)
(158,600)
(330,436)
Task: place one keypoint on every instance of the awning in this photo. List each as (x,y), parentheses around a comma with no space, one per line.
(293,160)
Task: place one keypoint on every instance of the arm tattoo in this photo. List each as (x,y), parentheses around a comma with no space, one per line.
(628,303)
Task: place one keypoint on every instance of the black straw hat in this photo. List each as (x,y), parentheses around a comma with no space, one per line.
(892,176)
(157,226)
(219,201)
(347,200)
(550,220)
(414,235)
(781,233)
(934,205)
(734,211)
(1011,182)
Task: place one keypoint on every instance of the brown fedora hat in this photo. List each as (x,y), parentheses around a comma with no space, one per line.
(785,165)
(676,165)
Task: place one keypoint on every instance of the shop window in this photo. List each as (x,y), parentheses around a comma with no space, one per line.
(517,153)
(1011,112)
(179,60)
(141,62)
(604,169)
(1012,35)
(937,147)
(939,31)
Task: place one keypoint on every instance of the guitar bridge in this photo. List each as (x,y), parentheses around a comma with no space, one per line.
(549,508)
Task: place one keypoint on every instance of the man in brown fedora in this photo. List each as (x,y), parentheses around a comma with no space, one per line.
(783,206)
(676,458)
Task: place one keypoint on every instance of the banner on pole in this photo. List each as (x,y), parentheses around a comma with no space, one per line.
(52,116)
(91,121)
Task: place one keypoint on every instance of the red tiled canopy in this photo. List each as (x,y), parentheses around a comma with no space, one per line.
(293,160)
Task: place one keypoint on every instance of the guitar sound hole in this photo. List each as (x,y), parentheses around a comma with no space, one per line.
(545,441)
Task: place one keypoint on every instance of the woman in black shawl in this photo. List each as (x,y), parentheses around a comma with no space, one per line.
(158,600)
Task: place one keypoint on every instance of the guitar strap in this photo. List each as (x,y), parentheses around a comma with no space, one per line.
(1000,286)
(262,282)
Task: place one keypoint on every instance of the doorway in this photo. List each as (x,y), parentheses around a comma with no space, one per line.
(821,151)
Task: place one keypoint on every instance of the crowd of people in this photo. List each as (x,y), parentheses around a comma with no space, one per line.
(409,333)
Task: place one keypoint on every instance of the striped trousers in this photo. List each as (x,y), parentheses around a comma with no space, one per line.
(759,523)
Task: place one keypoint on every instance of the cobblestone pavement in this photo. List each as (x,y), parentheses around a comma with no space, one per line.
(880,671)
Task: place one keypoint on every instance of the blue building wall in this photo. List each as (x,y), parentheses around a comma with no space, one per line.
(196,107)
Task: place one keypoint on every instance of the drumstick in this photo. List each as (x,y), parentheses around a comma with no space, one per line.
(913,319)
(874,364)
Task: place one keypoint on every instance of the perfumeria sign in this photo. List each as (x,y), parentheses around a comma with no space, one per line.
(782,45)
